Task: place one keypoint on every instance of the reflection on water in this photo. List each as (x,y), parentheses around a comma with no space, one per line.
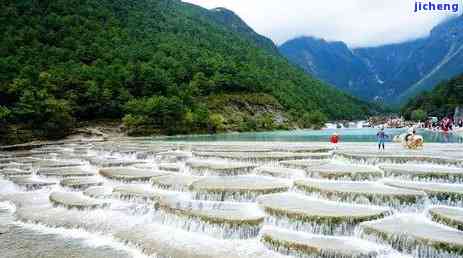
(431,136)
(347,135)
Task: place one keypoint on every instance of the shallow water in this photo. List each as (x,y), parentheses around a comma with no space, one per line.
(347,135)
(136,223)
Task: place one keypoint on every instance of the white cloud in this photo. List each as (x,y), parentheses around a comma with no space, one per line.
(356,22)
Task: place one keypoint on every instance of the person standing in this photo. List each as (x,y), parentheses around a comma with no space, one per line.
(381,136)
(334,139)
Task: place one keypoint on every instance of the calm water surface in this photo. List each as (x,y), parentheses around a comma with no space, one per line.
(347,135)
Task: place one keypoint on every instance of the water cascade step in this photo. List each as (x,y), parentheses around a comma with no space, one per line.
(400,158)
(65,172)
(131,174)
(169,197)
(165,241)
(31,183)
(310,245)
(76,200)
(364,192)
(202,167)
(415,233)
(15,172)
(113,162)
(56,164)
(421,171)
(448,193)
(281,172)
(345,171)
(91,220)
(322,216)
(303,164)
(262,156)
(231,219)
(171,167)
(81,182)
(451,216)
(237,187)
(175,182)
(137,192)
(176,155)
(99,192)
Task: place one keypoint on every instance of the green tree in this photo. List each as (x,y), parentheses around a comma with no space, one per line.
(315,119)
(216,122)
(419,115)
(4,114)
(133,121)
(265,122)
(165,114)
(440,102)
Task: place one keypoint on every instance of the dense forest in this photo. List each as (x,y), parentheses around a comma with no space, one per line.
(162,65)
(440,102)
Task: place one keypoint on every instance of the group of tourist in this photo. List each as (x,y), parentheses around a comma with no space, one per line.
(445,125)
(409,140)
(381,136)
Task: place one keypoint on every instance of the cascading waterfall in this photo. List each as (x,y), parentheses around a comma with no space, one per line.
(116,229)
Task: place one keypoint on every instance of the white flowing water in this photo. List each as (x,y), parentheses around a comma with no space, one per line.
(210,221)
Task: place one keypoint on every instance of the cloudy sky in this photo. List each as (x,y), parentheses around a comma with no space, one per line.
(356,22)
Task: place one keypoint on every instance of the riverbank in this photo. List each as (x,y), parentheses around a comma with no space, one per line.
(300,135)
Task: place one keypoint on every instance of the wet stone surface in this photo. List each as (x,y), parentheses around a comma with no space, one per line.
(130,174)
(451,216)
(417,231)
(31,183)
(345,171)
(360,192)
(300,207)
(424,171)
(281,172)
(76,200)
(98,191)
(65,172)
(223,188)
(297,243)
(174,182)
(203,167)
(442,192)
(303,164)
(81,182)
(15,172)
(136,192)
(227,220)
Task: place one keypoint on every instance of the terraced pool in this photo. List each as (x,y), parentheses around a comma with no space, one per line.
(136,197)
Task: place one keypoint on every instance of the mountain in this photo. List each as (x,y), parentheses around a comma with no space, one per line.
(158,64)
(232,21)
(392,72)
(333,62)
(440,102)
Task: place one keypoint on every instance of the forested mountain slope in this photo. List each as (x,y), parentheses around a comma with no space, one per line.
(155,63)
(440,102)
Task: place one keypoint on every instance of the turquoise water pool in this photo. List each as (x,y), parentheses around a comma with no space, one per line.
(347,135)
